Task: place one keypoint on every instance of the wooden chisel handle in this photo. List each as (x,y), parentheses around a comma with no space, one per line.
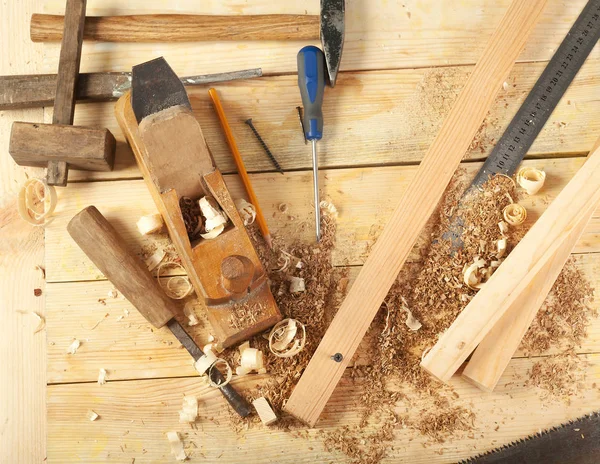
(104,246)
(181,28)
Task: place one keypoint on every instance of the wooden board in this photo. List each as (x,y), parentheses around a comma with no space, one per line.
(133,425)
(357,110)
(379,35)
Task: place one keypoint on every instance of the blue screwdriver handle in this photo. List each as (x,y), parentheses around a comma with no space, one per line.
(311,80)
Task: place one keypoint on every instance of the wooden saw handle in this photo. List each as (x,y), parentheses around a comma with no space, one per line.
(104,246)
(181,28)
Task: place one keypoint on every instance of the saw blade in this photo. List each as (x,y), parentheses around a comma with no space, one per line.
(575,442)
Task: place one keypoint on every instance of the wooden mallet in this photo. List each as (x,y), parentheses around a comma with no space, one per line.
(61,145)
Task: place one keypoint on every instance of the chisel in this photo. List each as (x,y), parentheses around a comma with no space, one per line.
(104,246)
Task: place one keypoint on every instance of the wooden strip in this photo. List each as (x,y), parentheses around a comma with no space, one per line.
(181,28)
(134,417)
(66,81)
(117,338)
(410,216)
(365,197)
(529,257)
(493,354)
(33,144)
(379,35)
(358,111)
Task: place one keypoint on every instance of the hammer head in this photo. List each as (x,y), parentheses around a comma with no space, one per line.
(332,35)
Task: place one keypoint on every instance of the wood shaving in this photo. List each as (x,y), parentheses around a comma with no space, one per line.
(514,214)
(73,347)
(36,201)
(177,287)
(531,179)
(283,341)
(91,415)
(228,375)
(150,224)
(247,211)
(297,285)
(102,376)
(189,409)
(176,446)
(155,259)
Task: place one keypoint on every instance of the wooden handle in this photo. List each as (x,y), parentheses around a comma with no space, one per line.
(104,246)
(181,28)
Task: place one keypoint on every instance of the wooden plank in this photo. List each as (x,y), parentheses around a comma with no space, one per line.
(167,28)
(365,198)
(66,81)
(379,35)
(123,344)
(518,272)
(33,144)
(358,111)
(393,246)
(23,353)
(133,424)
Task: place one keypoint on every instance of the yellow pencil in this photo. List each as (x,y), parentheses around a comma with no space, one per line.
(237,157)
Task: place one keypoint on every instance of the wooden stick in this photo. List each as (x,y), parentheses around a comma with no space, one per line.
(239,162)
(495,351)
(540,245)
(181,28)
(421,198)
(66,82)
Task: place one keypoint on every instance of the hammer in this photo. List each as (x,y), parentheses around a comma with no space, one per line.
(61,145)
(329,25)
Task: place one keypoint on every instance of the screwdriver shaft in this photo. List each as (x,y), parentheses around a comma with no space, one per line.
(316,188)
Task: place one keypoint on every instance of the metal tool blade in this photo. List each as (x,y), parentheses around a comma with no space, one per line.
(237,402)
(156,87)
(332,35)
(535,111)
(576,442)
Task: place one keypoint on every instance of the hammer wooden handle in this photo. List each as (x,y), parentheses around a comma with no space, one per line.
(104,246)
(181,28)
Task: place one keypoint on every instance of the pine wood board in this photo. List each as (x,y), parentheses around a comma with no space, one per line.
(379,35)
(130,348)
(357,112)
(23,353)
(365,198)
(133,425)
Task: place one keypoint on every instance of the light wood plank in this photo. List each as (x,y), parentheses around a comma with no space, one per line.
(133,425)
(358,111)
(23,354)
(365,198)
(379,35)
(124,346)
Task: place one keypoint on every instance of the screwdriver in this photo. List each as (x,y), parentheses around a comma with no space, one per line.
(311,81)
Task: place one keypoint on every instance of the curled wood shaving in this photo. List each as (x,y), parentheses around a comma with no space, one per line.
(411,321)
(213,215)
(204,363)
(155,259)
(503,226)
(101,376)
(280,333)
(189,409)
(188,311)
(171,287)
(214,233)
(252,360)
(472,275)
(514,214)
(329,208)
(247,211)
(73,347)
(228,376)
(531,179)
(176,446)
(36,201)
(150,224)
(501,246)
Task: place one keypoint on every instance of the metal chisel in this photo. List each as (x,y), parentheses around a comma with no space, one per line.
(104,246)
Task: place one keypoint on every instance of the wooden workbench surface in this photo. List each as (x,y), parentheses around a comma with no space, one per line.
(403,64)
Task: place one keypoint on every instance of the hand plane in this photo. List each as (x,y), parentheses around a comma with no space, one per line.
(176,163)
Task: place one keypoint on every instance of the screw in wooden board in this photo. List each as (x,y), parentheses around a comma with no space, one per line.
(264,145)
(337,357)
(299,109)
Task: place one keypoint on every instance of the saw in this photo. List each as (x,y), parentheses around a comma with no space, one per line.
(575,442)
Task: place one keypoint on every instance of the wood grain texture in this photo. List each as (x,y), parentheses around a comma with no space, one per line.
(358,111)
(541,243)
(102,244)
(181,28)
(66,81)
(34,144)
(133,425)
(23,353)
(379,35)
(410,216)
(365,199)
(123,343)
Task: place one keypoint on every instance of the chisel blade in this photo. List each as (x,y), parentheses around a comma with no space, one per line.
(332,35)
